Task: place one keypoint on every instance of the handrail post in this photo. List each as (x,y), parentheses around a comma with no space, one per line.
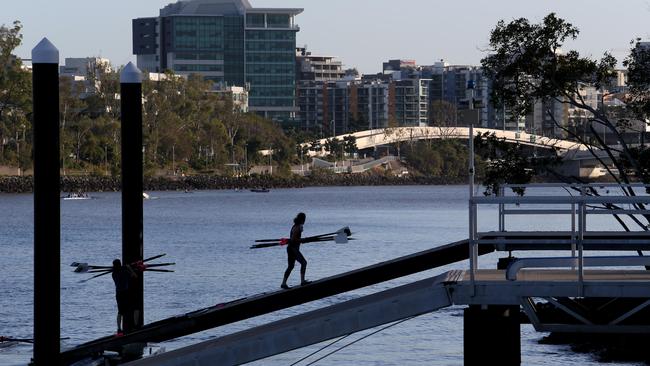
(472,208)
(502,216)
(581,235)
(573,231)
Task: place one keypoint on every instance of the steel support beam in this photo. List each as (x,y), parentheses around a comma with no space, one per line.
(310,328)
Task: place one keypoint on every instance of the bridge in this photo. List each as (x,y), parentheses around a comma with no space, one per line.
(384,136)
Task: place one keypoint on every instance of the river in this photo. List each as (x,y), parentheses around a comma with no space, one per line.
(208,235)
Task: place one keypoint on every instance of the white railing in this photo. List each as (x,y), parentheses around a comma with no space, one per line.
(576,207)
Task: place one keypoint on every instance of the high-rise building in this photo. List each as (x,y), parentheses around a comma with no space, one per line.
(229,42)
(316,67)
(85,73)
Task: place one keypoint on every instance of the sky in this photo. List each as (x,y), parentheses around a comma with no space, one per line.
(362,33)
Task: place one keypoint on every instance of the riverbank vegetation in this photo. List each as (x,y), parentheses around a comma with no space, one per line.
(188,129)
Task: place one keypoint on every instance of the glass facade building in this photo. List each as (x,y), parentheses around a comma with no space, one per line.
(228,42)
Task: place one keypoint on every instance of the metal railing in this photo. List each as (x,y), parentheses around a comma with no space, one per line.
(578,207)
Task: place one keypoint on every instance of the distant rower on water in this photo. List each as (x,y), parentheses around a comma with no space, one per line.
(293,251)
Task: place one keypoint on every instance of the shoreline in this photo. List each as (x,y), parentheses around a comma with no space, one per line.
(17,184)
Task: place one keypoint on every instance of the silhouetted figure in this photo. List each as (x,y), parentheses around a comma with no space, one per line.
(122,276)
(293,251)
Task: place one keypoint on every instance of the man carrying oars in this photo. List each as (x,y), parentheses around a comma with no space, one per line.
(293,251)
(122,276)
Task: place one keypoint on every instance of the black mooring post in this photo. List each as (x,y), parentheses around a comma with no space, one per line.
(491,335)
(132,186)
(47,232)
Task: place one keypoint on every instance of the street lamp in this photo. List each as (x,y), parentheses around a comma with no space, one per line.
(246,157)
(270,159)
(173,159)
(302,171)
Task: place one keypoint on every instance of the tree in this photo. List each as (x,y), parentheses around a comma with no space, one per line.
(15,98)
(508,163)
(442,114)
(350,144)
(526,65)
(333,146)
(638,66)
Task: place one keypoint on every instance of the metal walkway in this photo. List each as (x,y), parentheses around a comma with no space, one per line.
(310,328)
(452,288)
(250,307)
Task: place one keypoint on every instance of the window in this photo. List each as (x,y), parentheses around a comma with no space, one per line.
(278,20)
(255,20)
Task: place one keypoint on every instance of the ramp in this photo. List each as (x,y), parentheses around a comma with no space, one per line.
(310,328)
(246,308)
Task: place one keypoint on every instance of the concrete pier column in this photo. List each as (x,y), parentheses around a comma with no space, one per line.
(47,221)
(132,185)
(492,336)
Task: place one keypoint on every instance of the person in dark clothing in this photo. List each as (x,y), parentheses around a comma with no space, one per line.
(122,276)
(293,251)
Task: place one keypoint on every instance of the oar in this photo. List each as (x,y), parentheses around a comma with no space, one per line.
(104,270)
(269,240)
(21,340)
(147,266)
(345,230)
(154,257)
(158,270)
(85,267)
(99,270)
(337,239)
(264,245)
(159,265)
(99,275)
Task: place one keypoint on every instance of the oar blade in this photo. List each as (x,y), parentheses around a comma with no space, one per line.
(81,268)
(341,238)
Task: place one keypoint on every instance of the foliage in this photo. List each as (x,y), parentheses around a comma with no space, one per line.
(334,147)
(526,65)
(350,145)
(15,101)
(638,67)
(508,163)
(442,114)
(445,158)
(185,125)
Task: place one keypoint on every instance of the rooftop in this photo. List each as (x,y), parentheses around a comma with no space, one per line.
(220,7)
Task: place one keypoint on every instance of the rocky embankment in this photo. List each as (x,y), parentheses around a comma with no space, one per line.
(201,182)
